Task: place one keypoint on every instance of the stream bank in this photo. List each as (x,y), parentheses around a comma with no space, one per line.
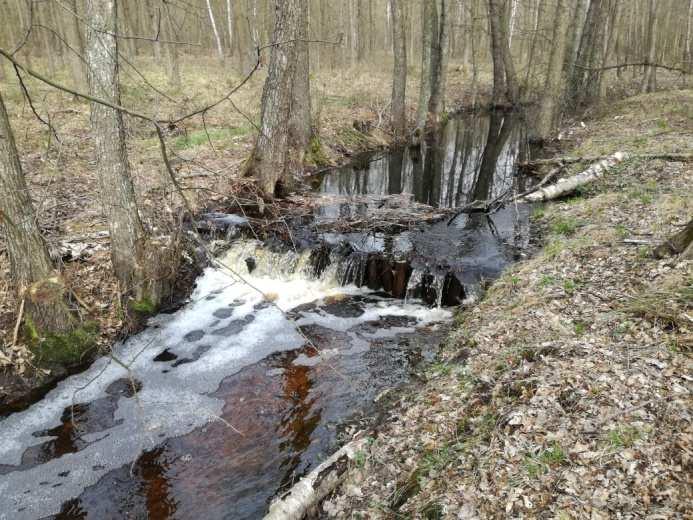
(283,343)
(566,393)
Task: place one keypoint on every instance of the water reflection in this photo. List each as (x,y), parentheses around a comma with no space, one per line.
(468,159)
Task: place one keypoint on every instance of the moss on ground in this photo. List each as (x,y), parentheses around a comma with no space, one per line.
(143,307)
(315,154)
(66,348)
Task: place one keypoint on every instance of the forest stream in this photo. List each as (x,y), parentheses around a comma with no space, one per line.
(232,398)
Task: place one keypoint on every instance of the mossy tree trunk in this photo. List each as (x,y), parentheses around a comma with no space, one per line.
(143,267)
(35,279)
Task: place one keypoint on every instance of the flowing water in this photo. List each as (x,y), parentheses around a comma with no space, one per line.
(233,397)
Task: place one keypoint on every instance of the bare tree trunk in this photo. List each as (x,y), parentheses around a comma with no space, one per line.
(533,44)
(398,117)
(33,275)
(500,86)
(300,126)
(136,261)
(689,48)
(217,38)
(153,13)
(229,25)
(429,29)
(439,63)
(648,81)
(574,41)
(361,31)
(268,162)
(76,41)
(174,77)
(23,25)
(585,79)
(510,76)
(553,86)
(42,17)
(609,47)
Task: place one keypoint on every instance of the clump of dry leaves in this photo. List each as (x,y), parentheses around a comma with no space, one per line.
(566,393)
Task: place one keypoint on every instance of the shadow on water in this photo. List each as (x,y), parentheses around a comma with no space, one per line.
(229,404)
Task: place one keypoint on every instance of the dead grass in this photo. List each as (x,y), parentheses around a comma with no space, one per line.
(574,398)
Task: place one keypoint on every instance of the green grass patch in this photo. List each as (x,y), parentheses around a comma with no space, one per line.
(553,249)
(622,231)
(580,328)
(565,226)
(440,369)
(536,465)
(623,437)
(360,459)
(546,281)
(569,286)
(538,213)
(352,138)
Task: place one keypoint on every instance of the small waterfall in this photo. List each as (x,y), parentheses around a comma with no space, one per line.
(352,269)
(438,288)
(338,266)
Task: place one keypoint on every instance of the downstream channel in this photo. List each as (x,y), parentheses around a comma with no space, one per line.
(248,386)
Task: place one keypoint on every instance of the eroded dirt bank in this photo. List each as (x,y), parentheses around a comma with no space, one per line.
(566,393)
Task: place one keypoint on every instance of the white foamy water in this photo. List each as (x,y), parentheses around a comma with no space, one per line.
(229,322)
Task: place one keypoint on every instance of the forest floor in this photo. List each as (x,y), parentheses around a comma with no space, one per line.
(350,108)
(566,392)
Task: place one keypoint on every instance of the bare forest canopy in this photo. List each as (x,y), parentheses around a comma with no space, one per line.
(231,30)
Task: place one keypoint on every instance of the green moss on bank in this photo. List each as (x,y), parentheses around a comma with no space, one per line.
(65,349)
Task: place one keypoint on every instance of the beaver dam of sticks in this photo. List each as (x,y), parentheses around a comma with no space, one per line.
(236,395)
